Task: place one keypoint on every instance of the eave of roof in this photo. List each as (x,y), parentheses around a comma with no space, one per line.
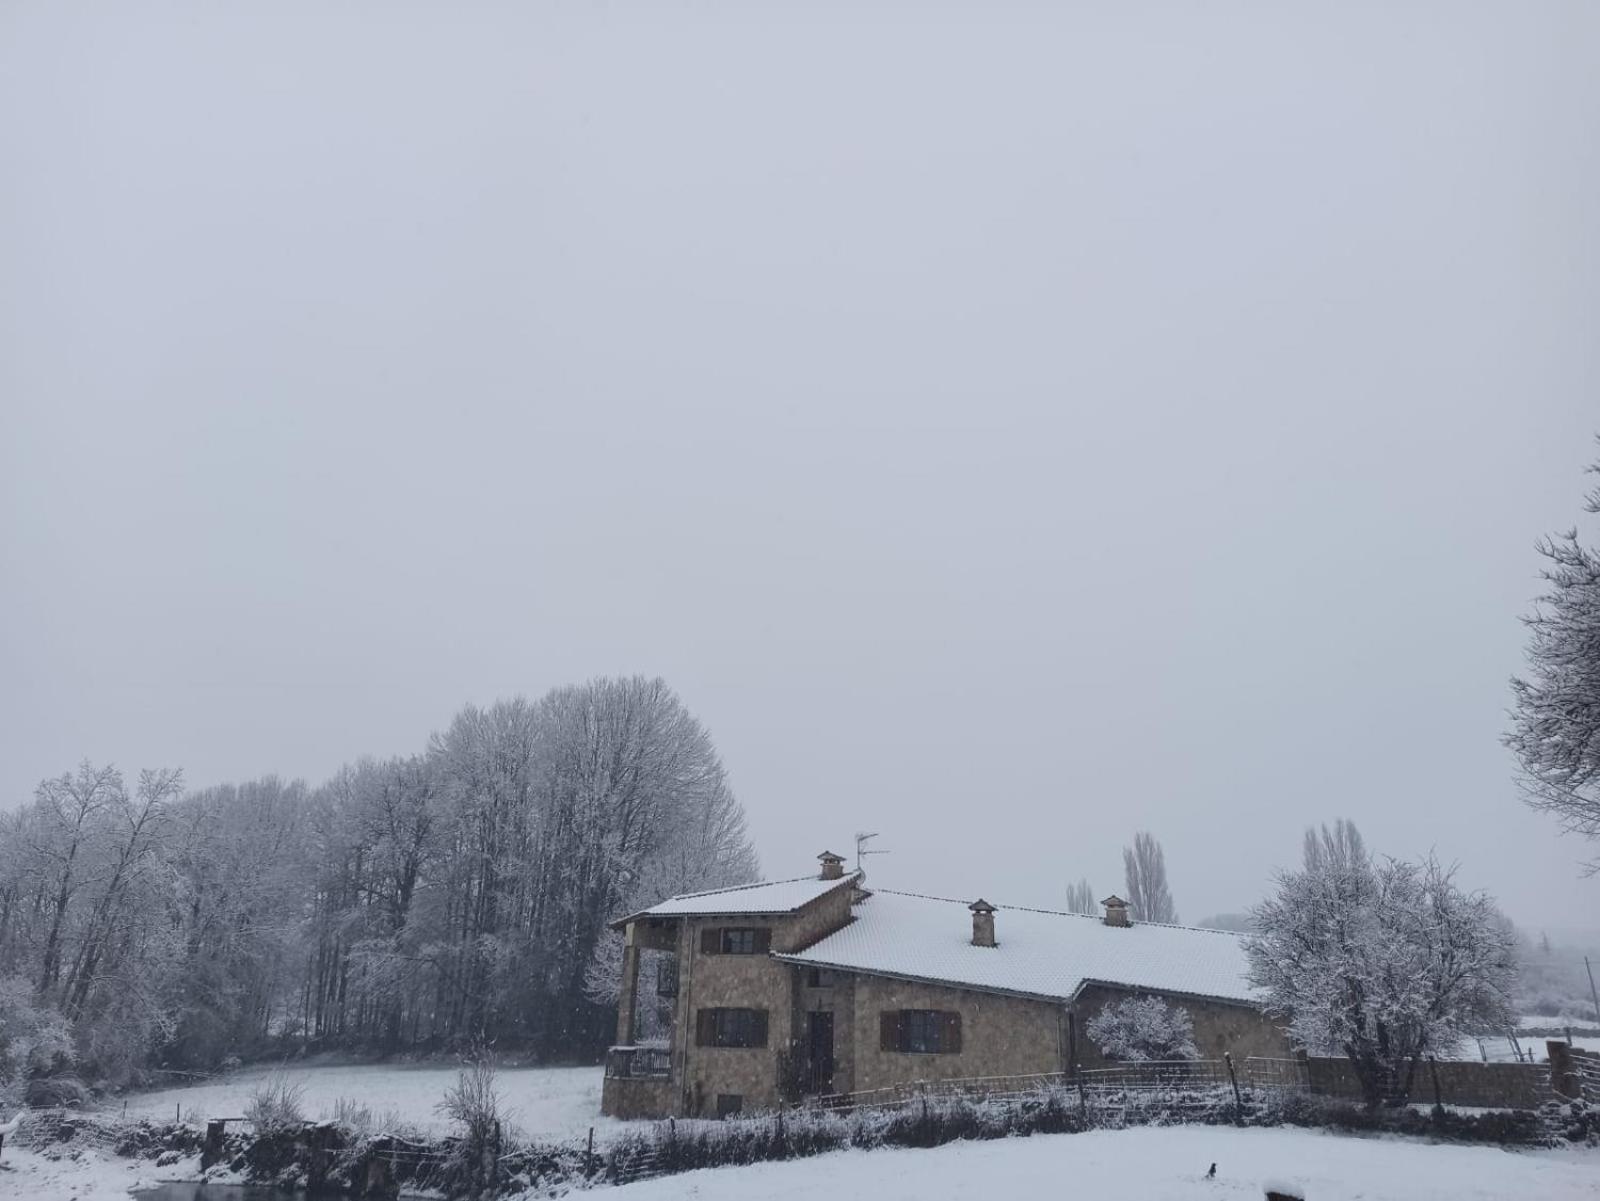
(711,910)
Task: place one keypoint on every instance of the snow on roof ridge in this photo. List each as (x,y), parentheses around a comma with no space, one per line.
(922,896)
(712,892)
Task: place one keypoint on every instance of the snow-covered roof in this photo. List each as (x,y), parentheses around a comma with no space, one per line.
(771,896)
(1040,953)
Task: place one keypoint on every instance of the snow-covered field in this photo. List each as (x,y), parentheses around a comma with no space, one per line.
(1154,1164)
(556,1103)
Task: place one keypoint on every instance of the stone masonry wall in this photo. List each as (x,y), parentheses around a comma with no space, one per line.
(1240,1030)
(1491,1085)
(730,981)
(1000,1035)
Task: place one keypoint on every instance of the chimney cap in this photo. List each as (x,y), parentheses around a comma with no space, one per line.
(981,906)
(830,857)
(1114,902)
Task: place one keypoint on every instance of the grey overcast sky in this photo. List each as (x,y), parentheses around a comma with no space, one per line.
(1008,426)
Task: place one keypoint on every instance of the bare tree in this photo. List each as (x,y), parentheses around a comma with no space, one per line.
(1145,867)
(1081,898)
(1555,731)
(71,807)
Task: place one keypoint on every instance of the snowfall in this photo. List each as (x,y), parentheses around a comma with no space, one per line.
(1147,1164)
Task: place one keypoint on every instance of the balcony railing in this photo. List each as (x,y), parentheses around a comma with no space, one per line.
(639,1063)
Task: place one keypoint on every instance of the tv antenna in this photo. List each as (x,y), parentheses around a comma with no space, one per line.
(861,847)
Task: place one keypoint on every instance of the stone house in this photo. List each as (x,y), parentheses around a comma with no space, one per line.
(820,986)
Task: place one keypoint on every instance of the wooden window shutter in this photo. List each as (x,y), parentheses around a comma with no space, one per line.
(705,1027)
(760,1038)
(889,1030)
(710,940)
(950,1033)
(763,940)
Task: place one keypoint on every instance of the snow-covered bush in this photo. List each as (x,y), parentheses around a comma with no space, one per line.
(1143,1028)
(33,1041)
(276,1104)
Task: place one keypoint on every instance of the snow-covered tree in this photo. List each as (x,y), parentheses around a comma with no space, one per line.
(1382,961)
(1145,867)
(1555,731)
(1081,898)
(1141,1029)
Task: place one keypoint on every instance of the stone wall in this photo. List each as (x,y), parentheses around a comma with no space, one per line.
(1461,1082)
(636,1098)
(823,916)
(730,981)
(1000,1035)
(1219,1027)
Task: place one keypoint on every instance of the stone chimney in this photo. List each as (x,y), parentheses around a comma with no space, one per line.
(832,866)
(982,923)
(1116,911)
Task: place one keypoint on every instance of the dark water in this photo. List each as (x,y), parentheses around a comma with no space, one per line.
(223,1192)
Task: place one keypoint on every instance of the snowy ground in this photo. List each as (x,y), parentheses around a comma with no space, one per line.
(554,1103)
(82,1177)
(1149,1164)
(1153,1164)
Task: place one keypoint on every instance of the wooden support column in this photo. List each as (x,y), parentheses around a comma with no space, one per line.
(628,997)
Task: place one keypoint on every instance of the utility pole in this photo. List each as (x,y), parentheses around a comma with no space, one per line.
(1593,996)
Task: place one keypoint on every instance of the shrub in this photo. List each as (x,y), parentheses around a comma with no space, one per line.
(33,1041)
(1140,1029)
(276,1104)
(473,1102)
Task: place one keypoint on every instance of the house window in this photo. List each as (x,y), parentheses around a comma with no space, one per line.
(735,940)
(821,977)
(738,941)
(729,1104)
(920,1031)
(667,978)
(731,1028)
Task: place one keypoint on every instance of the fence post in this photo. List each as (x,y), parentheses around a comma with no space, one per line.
(588,1156)
(1563,1075)
(1238,1101)
(1083,1097)
(1433,1070)
(780,1133)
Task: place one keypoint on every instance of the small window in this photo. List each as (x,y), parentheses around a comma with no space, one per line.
(738,941)
(821,977)
(729,1104)
(731,1028)
(920,1031)
(735,940)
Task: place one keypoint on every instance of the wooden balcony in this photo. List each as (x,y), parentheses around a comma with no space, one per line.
(639,1063)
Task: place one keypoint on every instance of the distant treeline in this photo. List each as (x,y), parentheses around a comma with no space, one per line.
(451,898)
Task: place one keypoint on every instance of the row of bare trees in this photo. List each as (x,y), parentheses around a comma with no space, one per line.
(457,896)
